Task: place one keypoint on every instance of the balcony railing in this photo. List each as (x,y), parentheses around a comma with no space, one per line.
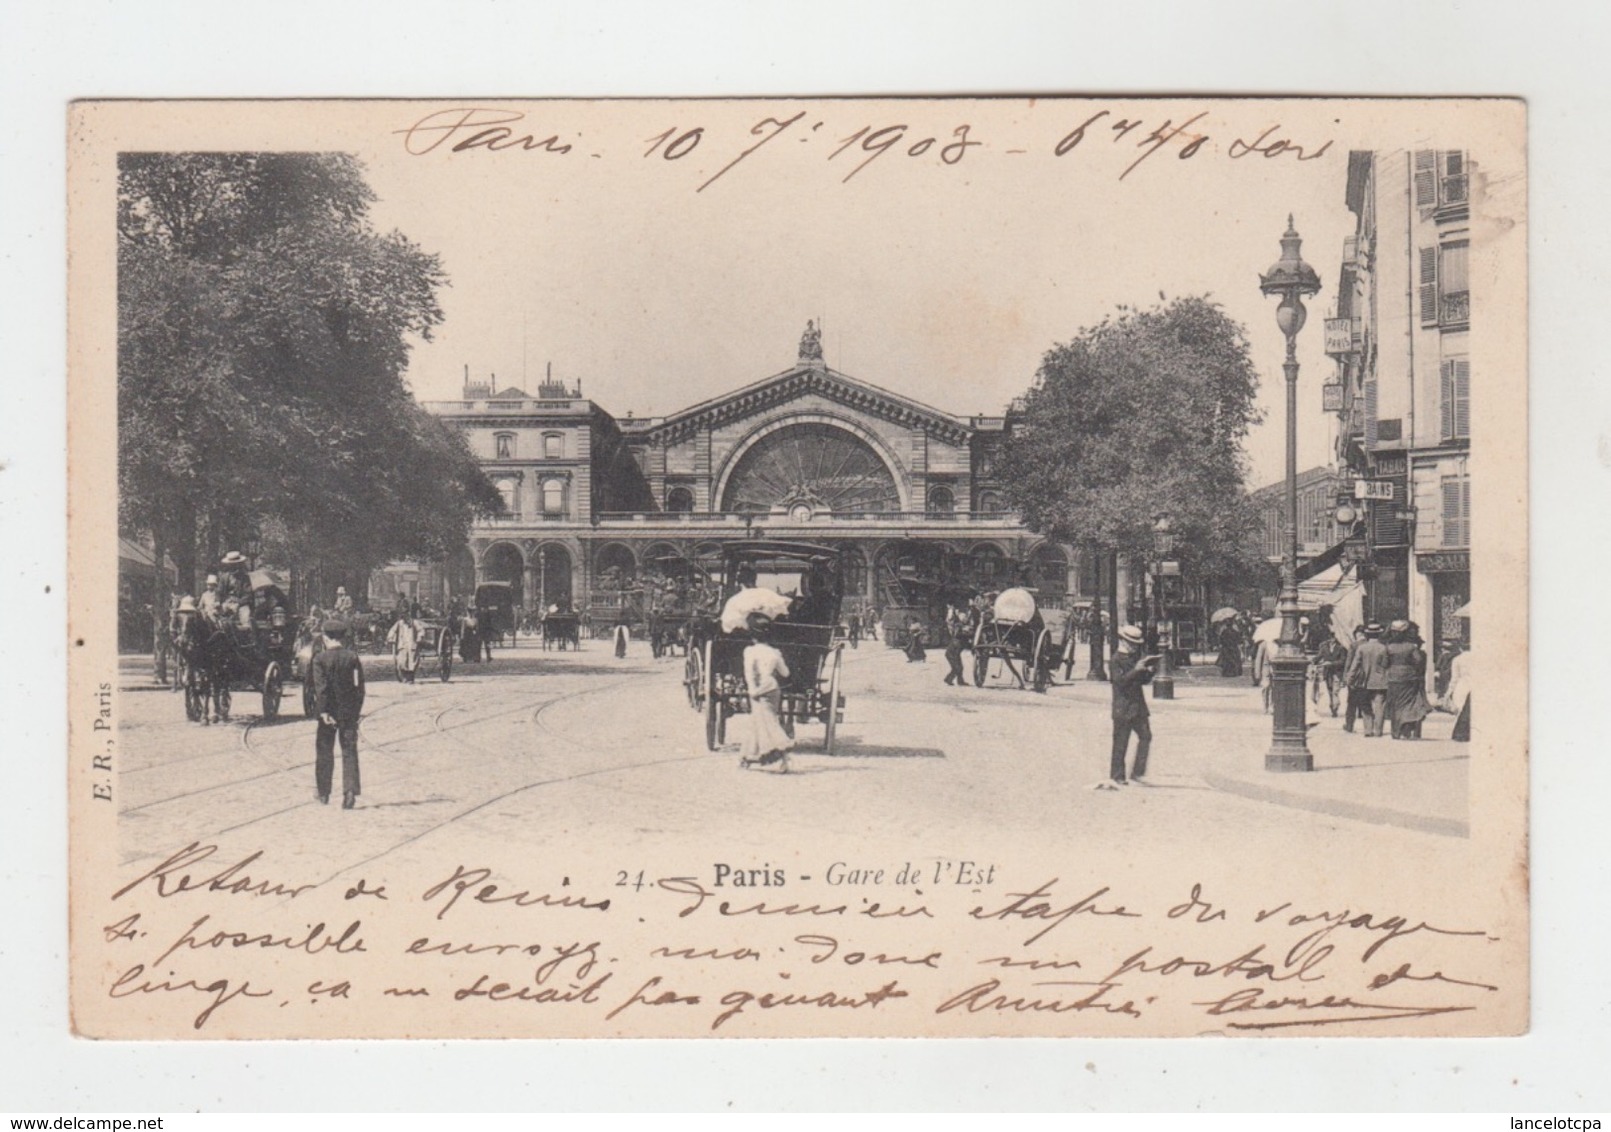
(741,518)
(520,518)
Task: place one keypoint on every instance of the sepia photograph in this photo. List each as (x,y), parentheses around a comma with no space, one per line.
(798,568)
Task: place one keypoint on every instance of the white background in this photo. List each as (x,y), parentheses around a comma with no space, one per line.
(1548,53)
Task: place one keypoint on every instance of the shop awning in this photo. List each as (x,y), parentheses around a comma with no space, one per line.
(1321,562)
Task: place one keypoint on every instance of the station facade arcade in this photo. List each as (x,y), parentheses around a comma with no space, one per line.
(594,504)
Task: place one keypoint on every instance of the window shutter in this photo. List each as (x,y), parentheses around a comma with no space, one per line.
(1429,286)
(1426,178)
(1446,400)
(1370,411)
(1465,509)
(1456,511)
(1460,380)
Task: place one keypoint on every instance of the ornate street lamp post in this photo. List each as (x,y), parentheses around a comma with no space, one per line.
(1290,280)
(1163,542)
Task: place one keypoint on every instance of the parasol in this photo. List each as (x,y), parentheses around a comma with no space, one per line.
(1268,631)
(260,578)
(748,601)
(1223,613)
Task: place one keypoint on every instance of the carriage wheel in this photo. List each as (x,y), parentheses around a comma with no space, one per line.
(273,690)
(1041,661)
(981,666)
(444,666)
(195,696)
(693,678)
(833,701)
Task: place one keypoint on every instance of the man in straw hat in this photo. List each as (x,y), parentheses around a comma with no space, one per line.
(1131,672)
(1367,671)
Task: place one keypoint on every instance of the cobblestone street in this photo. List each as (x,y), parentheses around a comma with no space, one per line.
(549,751)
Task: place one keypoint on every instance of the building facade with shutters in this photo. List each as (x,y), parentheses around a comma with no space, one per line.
(594,504)
(1400,337)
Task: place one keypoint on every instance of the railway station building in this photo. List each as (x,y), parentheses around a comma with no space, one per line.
(595,504)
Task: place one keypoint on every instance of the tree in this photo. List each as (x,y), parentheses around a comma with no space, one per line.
(263,331)
(1139,417)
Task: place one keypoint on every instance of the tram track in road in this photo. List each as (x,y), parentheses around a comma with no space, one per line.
(537,715)
(437,728)
(246,745)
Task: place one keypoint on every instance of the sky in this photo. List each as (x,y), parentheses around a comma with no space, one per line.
(944,280)
(945,245)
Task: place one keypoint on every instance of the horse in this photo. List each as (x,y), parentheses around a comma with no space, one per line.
(203,654)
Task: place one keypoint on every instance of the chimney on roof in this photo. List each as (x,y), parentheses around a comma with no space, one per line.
(551,390)
(475,390)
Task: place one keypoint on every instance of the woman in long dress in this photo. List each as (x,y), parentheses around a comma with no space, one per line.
(1407,704)
(765,742)
(1230,649)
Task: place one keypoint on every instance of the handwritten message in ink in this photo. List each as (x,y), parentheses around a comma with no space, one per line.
(223,941)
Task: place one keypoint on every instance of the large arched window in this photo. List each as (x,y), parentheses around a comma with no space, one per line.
(942,500)
(990,502)
(509,490)
(553,497)
(679,499)
(821,466)
(989,566)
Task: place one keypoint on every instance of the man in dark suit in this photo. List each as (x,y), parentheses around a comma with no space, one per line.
(1369,668)
(338,700)
(1130,672)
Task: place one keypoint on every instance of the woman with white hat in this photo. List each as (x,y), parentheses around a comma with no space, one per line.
(766,741)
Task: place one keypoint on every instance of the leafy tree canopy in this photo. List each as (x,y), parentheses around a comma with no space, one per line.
(1136,418)
(263,330)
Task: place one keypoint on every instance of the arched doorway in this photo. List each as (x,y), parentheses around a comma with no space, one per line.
(615,576)
(554,575)
(987,565)
(503,562)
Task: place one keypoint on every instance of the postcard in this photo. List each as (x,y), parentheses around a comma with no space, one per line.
(798,568)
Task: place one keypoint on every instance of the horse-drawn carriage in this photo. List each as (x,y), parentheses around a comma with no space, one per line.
(680,594)
(495,615)
(562,629)
(251,647)
(367,632)
(1013,632)
(811,578)
(433,651)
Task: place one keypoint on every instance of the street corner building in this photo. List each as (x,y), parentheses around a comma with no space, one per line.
(1401,340)
(595,505)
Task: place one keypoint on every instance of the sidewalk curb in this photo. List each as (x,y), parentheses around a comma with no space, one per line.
(1356,811)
